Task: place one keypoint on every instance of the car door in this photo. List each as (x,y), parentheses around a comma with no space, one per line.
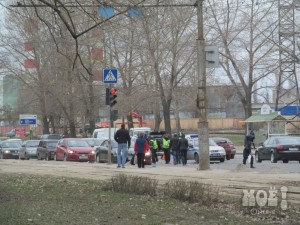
(22,150)
(60,150)
(104,154)
(268,148)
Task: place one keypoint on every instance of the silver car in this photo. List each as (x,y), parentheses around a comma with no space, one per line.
(28,149)
(10,149)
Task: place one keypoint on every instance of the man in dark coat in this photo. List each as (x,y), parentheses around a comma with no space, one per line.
(247,150)
(123,139)
(183,147)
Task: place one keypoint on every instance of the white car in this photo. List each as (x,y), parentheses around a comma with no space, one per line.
(216,152)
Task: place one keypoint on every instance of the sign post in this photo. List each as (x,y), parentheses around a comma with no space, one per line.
(110,76)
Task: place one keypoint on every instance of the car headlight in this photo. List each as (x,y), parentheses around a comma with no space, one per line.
(148,153)
(93,152)
(6,151)
(71,152)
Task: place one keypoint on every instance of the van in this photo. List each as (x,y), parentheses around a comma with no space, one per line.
(103,133)
(134,132)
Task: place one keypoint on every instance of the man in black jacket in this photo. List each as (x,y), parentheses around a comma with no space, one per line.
(123,139)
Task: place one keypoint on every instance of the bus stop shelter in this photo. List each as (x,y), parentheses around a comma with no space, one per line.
(274,123)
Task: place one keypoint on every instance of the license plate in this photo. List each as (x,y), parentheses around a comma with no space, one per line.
(83,157)
(293,149)
(215,154)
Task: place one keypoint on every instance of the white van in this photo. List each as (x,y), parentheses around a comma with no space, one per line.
(103,133)
(134,132)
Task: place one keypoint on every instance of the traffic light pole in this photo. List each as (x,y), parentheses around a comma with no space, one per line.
(201,93)
(109,135)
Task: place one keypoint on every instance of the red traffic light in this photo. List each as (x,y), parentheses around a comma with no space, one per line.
(113,91)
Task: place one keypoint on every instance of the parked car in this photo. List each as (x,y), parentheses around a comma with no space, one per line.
(74,149)
(102,152)
(50,136)
(223,143)
(28,149)
(216,152)
(275,148)
(232,146)
(10,149)
(46,149)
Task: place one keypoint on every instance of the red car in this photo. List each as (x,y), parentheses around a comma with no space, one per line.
(223,143)
(74,149)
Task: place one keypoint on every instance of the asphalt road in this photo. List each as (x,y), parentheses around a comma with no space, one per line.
(291,167)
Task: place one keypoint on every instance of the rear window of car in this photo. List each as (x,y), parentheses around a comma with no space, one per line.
(288,141)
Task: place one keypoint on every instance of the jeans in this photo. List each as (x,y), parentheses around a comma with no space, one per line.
(122,154)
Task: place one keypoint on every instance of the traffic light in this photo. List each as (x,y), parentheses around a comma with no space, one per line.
(111,95)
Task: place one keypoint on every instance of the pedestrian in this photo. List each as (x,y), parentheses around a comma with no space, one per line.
(166,148)
(141,146)
(247,150)
(153,144)
(252,134)
(174,148)
(123,139)
(183,147)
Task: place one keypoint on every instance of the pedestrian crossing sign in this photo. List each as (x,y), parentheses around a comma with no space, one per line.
(110,76)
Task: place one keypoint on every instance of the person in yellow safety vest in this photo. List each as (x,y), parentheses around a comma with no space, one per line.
(166,148)
(154,146)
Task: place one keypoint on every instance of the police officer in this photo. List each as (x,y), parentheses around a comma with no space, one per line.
(166,148)
(153,144)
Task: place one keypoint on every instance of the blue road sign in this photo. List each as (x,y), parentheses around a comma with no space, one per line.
(27,121)
(110,76)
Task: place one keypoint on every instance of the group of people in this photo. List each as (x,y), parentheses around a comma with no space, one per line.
(177,145)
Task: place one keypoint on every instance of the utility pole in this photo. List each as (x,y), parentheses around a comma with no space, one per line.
(201,92)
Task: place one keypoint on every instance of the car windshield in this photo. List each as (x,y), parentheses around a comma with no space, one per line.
(94,142)
(11,144)
(212,143)
(78,143)
(288,141)
(32,143)
(52,144)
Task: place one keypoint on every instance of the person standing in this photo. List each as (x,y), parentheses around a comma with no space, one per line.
(183,147)
(141,146)
(174,142)
(122,137)
(252,135)
(153,144)
(247,150)
(166,148)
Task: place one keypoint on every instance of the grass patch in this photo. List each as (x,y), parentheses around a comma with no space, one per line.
(41,200)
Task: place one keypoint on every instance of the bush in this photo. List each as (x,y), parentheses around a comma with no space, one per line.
(132,184)
(190,191)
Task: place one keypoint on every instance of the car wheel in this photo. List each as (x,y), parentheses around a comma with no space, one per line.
(257,159)
(285,161)
(273,159)
(232,156)
(222,160)
(228,157)
(65,157)
(196,157)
